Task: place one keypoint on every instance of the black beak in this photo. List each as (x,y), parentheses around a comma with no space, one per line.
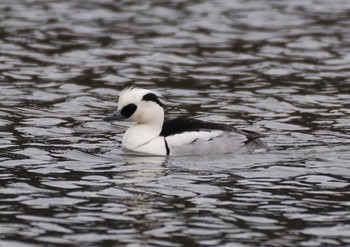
(115,116)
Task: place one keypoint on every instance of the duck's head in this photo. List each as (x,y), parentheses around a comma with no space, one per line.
(138,105)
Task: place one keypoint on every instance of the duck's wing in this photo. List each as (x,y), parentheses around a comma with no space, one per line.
(205,142)
(194,137)
(181,125)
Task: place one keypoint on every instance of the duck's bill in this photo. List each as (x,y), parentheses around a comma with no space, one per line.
(115,116)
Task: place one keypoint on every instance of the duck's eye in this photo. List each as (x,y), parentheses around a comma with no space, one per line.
(128,110)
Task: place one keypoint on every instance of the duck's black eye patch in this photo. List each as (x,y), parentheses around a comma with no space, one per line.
(152,97)
(128,110)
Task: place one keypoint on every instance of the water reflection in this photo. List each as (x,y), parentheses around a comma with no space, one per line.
(280,68)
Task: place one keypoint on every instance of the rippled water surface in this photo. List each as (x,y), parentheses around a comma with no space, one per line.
(276,67)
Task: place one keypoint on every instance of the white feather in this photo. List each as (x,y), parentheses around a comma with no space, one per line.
(205,142)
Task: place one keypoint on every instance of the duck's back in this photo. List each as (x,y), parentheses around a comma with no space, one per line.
(196,137)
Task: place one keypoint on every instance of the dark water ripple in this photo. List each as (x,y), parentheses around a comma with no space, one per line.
(278,67)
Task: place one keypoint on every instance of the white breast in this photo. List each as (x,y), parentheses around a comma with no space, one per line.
(144,139)
(154,146)
(205,142)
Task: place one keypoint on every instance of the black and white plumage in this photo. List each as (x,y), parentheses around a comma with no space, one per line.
(153,135)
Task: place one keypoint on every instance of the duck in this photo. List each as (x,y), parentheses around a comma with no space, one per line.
(152,134)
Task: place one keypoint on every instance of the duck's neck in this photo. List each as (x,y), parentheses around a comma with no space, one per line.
(141,133)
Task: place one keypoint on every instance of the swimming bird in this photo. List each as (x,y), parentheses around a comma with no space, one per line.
(152,135)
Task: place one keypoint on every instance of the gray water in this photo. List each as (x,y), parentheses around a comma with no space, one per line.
(277,67)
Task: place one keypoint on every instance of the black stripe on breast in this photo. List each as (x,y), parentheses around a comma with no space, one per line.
(167,147)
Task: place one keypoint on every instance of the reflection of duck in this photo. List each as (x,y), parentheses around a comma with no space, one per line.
(134,158)
(153,136)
